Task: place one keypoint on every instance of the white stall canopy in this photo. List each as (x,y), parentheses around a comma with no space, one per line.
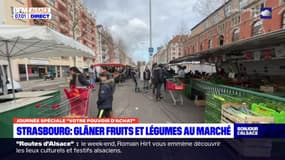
(18,41)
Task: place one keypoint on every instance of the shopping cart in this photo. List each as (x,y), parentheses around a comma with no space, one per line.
(73,104)
(175,87)
(79,100)
(55,106)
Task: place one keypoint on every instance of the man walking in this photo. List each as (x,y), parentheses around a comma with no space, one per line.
(146,78)
(158,81)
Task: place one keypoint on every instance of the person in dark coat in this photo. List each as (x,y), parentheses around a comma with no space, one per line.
(146,77)
(105,96)
(152,79)
(77,80)
(135,77)
(158,81)
(165,76)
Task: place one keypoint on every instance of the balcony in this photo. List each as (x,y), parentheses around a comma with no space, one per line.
(38,3)
(62,15)
(40,22)
(63,3)
(64,25)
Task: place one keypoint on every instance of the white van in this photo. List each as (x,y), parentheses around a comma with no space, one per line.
(17,87)
(4,81)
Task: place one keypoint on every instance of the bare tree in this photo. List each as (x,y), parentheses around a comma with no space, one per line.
(75,16)
(204,7)
(183,28)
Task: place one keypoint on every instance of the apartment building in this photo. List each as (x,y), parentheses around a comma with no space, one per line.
(236,33)
(233,21)
(70,18)
(175,47)
(161,55)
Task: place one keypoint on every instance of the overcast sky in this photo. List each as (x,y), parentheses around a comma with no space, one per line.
(129,21)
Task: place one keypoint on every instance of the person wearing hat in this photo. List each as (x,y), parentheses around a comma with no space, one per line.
(77,79)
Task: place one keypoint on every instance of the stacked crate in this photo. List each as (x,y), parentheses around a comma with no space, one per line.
(247,147)
(213,109)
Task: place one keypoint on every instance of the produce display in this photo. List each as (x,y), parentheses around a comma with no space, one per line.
(213,108)
(278,112)
(242,114)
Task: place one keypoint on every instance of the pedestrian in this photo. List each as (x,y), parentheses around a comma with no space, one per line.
(146,78)
(77,79)
(152,79)
(181,71)
(135,77)
(92,76)
(105,96)
(158,81)
(165,76)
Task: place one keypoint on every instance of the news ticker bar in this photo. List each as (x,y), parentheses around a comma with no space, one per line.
(130,128)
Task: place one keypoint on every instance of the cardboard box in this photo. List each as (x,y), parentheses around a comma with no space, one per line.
(267,89)
(200,103)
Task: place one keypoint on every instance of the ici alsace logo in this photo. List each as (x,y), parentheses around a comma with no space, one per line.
(266,13)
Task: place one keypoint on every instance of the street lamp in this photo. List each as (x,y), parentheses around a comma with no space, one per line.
(150,33)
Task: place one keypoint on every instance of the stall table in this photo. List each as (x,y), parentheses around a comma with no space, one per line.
(30,94)
(24,108)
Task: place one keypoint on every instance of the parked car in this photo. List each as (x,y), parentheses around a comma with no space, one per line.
(17,87)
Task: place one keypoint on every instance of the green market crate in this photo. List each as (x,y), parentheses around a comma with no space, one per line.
(210,118)
(233,94)
(263,109)
(187,91)
(35,107)
(239,95)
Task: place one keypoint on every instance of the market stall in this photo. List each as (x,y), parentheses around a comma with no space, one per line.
(29,94)
(33,107)
(26,41)
(247,88)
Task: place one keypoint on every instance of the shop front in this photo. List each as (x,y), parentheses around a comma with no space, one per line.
(32,72)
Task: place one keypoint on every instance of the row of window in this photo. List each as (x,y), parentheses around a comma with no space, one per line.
(257,29)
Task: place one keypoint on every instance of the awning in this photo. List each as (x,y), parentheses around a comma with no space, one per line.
(259,41)
(18,41)
(38,42)
(109,65)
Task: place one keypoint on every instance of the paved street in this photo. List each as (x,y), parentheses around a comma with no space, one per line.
(127,103)
(42,84)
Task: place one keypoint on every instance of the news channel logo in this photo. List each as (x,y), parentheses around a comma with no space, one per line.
(31,13)
(266,13)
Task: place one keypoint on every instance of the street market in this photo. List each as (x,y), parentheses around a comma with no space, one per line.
(104,68)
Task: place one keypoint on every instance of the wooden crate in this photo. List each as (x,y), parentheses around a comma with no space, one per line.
(229,117)
(200,103)
(267,89)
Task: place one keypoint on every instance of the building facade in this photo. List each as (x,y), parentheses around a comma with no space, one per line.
(161,55)
(70,18)
(106,46)
(236,33)
(235,20)
(175,47)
